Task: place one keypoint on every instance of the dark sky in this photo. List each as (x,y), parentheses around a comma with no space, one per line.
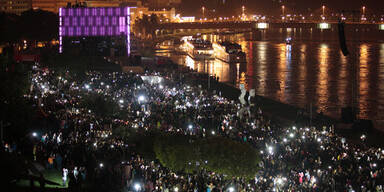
(274,6)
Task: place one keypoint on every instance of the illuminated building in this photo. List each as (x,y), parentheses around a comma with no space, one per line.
(15,6)
(108,25)
(165,15)
(163,3)
(54,5)
(51,5)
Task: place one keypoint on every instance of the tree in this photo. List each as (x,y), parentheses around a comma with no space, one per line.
(39,25)
(216,154)
(61,63)
(14,107)
(147,25)
(9,27)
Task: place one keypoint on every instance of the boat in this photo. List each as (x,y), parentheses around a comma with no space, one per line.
(229,52)
(198,48)
(288,41)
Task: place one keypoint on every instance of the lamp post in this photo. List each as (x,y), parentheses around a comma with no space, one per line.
(363,18)
(323,7)
(203,10)
(243,11)
(283,10)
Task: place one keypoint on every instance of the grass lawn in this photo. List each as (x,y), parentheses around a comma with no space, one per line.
(51,175)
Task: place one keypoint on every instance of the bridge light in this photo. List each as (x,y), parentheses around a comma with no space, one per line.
(262,25)
(324,26)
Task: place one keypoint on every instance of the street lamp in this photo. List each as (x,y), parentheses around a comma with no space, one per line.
(323,7)
(203,9)
(363,16)
(283,9)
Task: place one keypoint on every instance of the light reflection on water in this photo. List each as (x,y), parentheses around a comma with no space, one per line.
(322,90)
(308,71)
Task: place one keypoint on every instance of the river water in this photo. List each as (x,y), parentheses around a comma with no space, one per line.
(310,70)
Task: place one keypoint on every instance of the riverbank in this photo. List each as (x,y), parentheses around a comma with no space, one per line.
(284,114)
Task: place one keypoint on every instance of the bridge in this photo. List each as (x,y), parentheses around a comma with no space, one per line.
(253,25)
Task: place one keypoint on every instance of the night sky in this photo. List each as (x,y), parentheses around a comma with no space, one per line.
(274,6)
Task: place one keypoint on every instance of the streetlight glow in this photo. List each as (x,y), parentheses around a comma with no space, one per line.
(323,7)
(137,187)
(203,9)
(141,98)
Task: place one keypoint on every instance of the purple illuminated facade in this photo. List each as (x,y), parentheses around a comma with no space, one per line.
(92,21)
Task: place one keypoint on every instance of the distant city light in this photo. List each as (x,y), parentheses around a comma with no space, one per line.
(262,25)
(324,26)
(34,134)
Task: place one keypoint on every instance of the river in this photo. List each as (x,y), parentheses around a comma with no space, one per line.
(310,70)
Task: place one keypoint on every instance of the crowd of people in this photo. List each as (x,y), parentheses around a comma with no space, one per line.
(90,155)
